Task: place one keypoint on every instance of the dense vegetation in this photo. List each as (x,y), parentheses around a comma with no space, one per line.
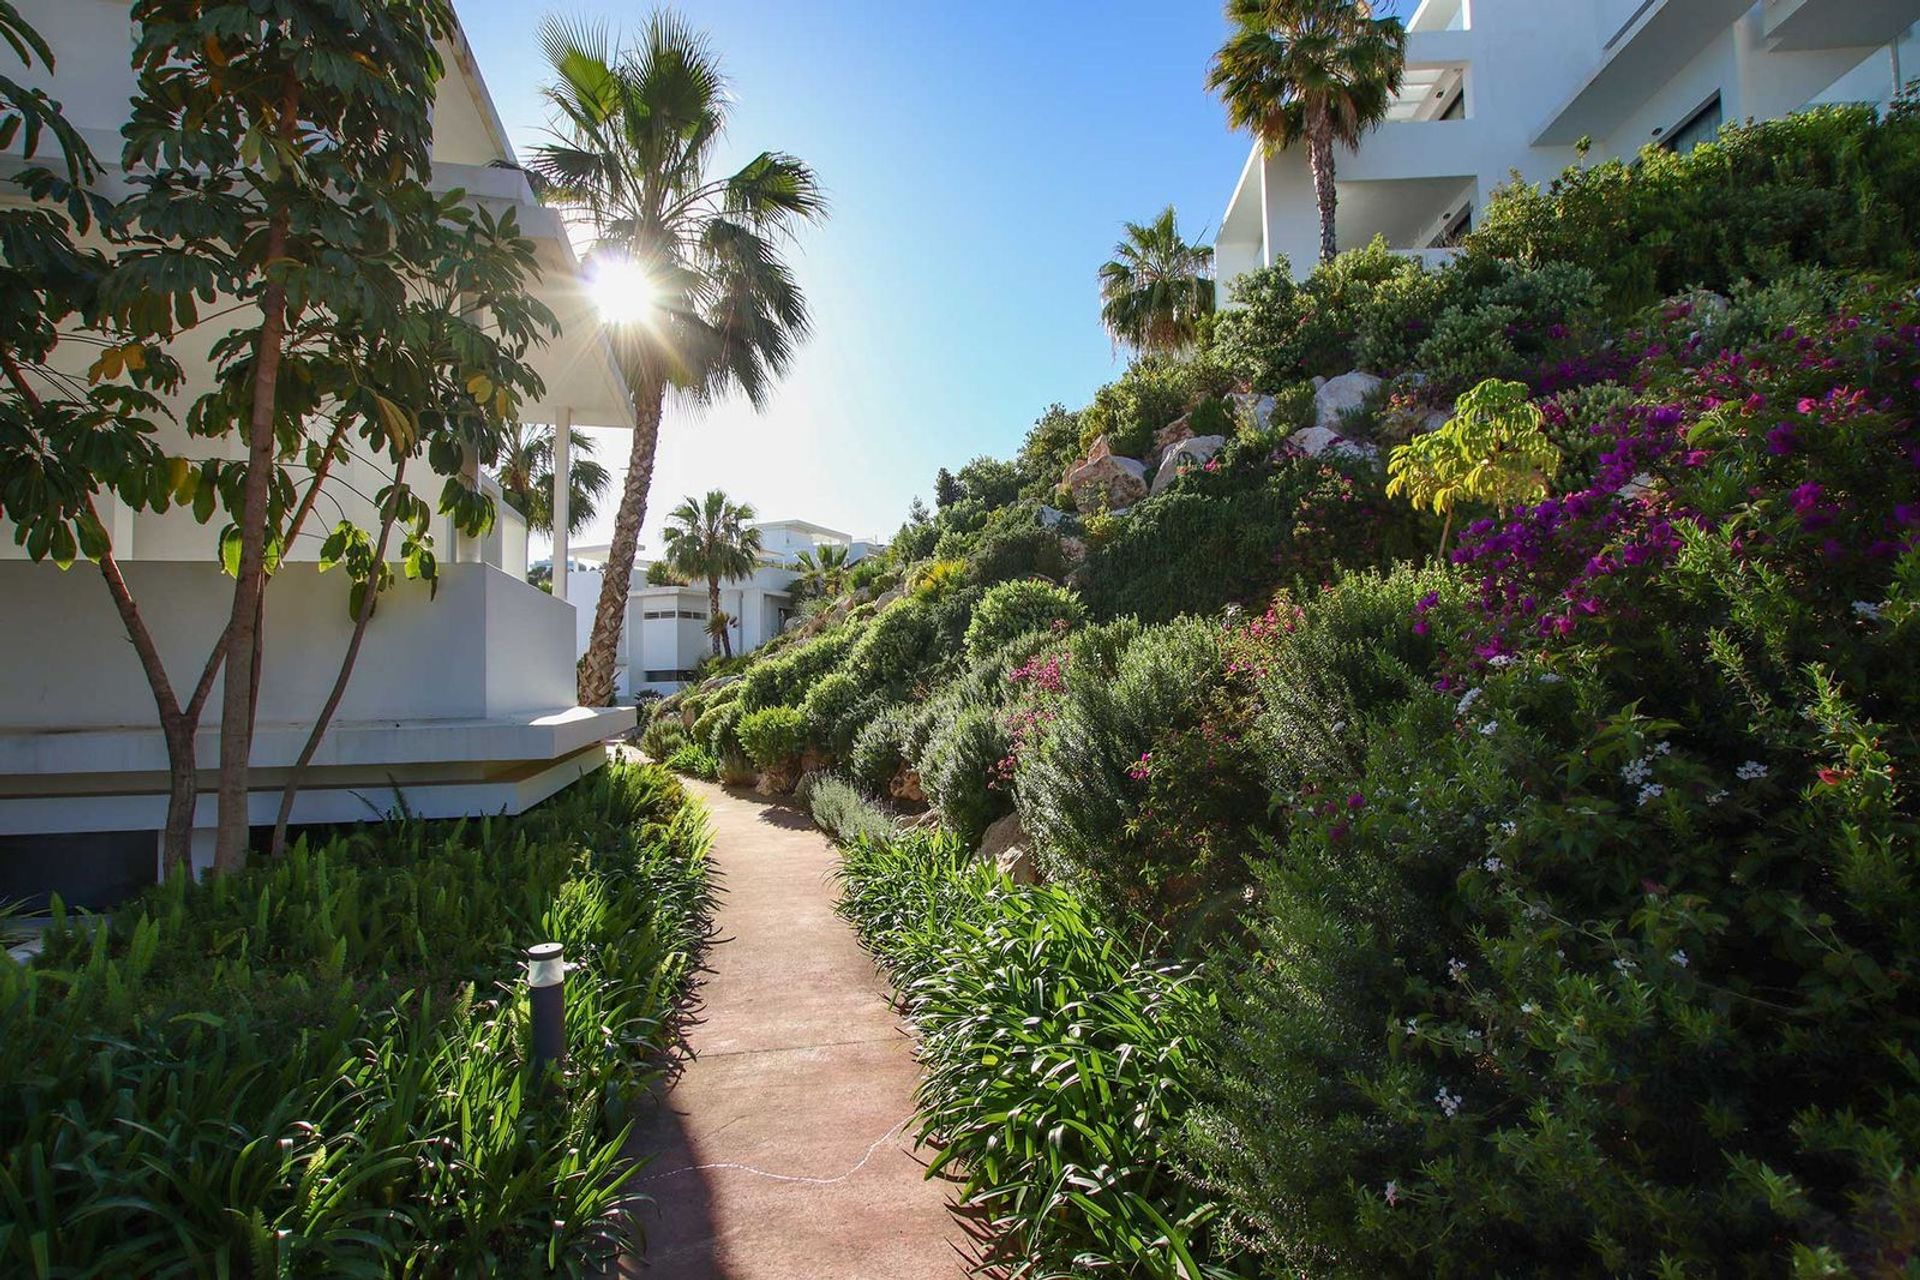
(319,1066)
(1546,904)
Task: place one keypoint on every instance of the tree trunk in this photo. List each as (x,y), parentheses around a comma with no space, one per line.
(596,668)
(237,694)
(718,632)
(347,661)
(1320,160)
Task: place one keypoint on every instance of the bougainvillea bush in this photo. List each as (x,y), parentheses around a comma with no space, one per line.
(1602,962)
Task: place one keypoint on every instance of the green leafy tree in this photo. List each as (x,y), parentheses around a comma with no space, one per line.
(1319,72)
(1493,450)
(1157,288)
(635,136)
(525,471)
(946,489)
(712,538)
(355,301)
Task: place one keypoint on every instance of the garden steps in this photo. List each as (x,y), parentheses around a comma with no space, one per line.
(800,1087)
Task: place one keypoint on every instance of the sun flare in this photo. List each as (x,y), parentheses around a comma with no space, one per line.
(622,291)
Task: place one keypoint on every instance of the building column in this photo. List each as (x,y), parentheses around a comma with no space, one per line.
(562,499)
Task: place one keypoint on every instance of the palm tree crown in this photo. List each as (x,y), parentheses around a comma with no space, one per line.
(711,538)
(635,132)
(1318,72)
(525,471)
(1157,287)
(823,571)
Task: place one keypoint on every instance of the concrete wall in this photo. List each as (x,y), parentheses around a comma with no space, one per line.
(488,646)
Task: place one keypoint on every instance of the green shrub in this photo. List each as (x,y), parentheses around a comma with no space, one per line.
(773,735)
(318,1066)
(957,769)
(842,811)
(695,761)
(877,753)
(1211,417)
(1021,549)
(1013,609)
(718,730)
(1828,187)
(783,678)
(829,711)
(664,736)
(1056,1059)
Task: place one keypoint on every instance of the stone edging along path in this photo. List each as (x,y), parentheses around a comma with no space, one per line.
(785,1150)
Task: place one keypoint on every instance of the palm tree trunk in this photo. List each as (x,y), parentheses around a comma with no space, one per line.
(1320,160)
(596,668)
(713,615)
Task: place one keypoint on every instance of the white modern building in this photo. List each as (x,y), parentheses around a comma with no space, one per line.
(665,635)
(463,700)
(1498,87)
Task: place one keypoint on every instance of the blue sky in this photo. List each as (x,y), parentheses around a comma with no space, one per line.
(980,158)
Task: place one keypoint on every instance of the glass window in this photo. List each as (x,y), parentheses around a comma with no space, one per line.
(1702,126)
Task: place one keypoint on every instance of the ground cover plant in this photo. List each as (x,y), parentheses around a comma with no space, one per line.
(320,1066)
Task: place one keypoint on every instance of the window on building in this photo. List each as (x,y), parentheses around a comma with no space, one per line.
(1702,126)
(663,677)
(1456,108)
(695,614)
(1454,232)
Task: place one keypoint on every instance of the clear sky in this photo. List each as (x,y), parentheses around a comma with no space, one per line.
(980,158)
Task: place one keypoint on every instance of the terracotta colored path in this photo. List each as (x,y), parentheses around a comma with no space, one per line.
(800,1069)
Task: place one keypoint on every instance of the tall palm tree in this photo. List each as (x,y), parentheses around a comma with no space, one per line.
(711,538)
(634,135)
(1314,71)
(525,471)
(823,571)
(1157,287)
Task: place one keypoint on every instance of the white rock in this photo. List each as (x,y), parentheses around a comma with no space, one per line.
(1334,399)
(1314,441)
(1257,409)
(1050,517)
(1192,451)
(1006,846)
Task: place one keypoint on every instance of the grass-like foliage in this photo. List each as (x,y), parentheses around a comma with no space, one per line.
(319,1067)
(1055,1055)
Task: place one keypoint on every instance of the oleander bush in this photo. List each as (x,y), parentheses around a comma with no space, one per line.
(319,1066)
(1055,1056)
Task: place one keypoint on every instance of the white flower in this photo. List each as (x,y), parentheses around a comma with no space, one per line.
(1457,969)
(1529,1008)
(1413,1027)
(1717,797)
(1509,828)
(1867,609)
(1551,677)
(1751,771)
(1535,911)
(1652,791)
(1679,958)
(1467,700)
(1339,726)
(1501,660)
(1490,728)
(1494,865)
(1247,894)
(1393,1193)
(1662,748)
(1449,1102)
(1623,964)
(1635,772)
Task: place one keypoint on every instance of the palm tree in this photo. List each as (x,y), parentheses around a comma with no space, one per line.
(634,134)
(823,571)
(711,538)
(1157,287)
(1313,71)
(525,472)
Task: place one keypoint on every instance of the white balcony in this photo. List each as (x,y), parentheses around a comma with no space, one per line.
(1836,24)
(1654,41)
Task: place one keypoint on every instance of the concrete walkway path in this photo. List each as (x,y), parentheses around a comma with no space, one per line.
(785,1150)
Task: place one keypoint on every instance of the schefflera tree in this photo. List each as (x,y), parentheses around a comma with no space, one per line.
(278,157)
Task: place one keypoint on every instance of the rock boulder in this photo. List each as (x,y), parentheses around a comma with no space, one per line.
(1006,846)
(1191,452)
(1102,477)
(1337,397)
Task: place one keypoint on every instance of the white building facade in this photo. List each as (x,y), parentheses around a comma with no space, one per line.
(666,638)
(463,699)
(1498,87)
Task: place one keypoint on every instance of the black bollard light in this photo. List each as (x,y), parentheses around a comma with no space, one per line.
(547,992)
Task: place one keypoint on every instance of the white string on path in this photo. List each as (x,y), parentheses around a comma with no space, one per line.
(879,1142)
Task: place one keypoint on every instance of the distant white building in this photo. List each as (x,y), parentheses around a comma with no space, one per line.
(665,636)
(1498,86)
